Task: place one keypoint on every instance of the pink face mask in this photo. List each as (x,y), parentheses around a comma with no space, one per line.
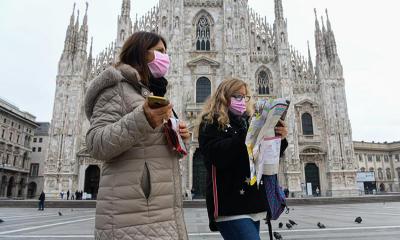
(238,107)
(159,66)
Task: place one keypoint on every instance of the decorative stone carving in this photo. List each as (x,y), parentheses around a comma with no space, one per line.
(252,42)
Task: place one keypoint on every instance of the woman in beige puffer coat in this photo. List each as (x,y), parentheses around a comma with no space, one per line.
(140,187)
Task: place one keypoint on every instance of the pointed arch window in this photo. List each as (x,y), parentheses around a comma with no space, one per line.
(24,160)
(203,89)
(306,120)
(203,34)
(264,82)
(380,173)
(176,22)
(164,22)
(122,35)
(388,174)
(386,157)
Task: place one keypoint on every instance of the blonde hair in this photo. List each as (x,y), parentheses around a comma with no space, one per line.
(218,104)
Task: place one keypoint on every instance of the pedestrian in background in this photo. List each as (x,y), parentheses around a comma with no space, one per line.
(42,197)
(286,191)
(68,194)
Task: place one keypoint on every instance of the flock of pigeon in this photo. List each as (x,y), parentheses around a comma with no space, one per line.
(278,236)
(291,223)
(59,214)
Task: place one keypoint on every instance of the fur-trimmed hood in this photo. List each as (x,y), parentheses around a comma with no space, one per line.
(109,78)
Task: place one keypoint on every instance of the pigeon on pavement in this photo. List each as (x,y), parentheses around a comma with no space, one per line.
(280,225)
(278,236)
(1,220)
(320,225)
(358,220)
(288,225)
(292,222)
(59,214)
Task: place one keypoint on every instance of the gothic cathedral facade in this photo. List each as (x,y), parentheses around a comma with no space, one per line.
(208,41)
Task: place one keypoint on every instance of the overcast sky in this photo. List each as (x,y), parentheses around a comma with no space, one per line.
(367,32)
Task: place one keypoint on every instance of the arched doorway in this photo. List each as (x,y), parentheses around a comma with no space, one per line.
(32,189)
(312,176)
(11,185)
(199,176)
(92,178)
(3,186)
(21,187)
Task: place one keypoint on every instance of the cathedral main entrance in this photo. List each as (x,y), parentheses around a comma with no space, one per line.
(199,176)
(92,178)
(312,176)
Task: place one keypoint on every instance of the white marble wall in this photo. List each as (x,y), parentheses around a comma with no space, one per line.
(242,43)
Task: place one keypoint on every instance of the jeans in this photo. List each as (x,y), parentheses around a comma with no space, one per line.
(240,229)
(41,205)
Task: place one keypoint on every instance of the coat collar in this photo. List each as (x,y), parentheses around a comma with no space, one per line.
(238,120)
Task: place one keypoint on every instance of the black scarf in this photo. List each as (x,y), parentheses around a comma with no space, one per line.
(158,86)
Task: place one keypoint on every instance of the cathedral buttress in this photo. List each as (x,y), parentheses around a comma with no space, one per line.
(341,170)
(61,166)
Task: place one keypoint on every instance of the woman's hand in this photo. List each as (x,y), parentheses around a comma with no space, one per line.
(184,131)
(156,116)
(281,129)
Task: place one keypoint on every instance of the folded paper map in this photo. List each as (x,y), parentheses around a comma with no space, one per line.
(261,141)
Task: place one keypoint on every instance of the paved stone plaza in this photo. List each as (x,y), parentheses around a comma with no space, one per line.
(380,221)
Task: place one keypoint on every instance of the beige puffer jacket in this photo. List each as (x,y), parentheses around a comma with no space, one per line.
(140,187)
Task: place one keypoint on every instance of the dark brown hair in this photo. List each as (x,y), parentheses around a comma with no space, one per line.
(135,49)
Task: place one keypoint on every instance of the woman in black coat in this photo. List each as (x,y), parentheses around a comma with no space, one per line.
(234,207)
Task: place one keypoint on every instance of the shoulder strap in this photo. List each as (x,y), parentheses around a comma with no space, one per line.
(268,220)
